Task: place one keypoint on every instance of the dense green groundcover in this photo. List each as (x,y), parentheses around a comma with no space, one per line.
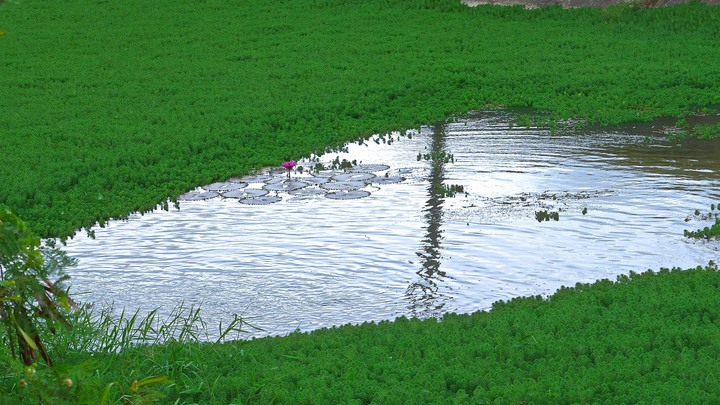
(646,338)
(112,107)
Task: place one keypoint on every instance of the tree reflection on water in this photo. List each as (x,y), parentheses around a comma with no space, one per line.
(424,296)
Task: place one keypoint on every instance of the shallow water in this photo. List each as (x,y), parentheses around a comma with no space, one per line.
(622,198)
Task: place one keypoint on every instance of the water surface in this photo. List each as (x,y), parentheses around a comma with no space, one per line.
(622,198)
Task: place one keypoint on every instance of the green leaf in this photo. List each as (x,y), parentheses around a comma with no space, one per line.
(27,337)
(106,393)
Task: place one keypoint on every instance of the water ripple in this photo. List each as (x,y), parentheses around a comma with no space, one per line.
(309,262)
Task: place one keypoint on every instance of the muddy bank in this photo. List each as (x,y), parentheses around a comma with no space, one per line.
(582,3)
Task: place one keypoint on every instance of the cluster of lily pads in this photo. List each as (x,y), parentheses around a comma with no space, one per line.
(266,187)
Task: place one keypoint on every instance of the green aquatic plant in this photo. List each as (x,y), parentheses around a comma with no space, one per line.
(606,342)
(254,86)
(341,164)
(449,190)
(708,232)
(698,131)
(545,215)
(437,157)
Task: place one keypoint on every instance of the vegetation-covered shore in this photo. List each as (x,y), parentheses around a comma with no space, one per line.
(114,107)
(646,338)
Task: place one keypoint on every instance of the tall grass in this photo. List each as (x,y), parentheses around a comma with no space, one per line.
(105,330)
(88,354)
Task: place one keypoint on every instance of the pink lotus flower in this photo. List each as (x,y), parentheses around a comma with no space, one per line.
(289,165)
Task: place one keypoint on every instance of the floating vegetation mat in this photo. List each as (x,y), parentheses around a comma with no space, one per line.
(310,181)
(544,206)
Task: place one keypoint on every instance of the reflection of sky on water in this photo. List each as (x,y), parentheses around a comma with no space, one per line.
(309,262)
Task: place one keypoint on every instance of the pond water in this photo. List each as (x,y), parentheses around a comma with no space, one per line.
(616,201)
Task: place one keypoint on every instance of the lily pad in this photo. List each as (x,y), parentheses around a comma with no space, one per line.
(255,178)
(268,199)
(315,180)
(278,172)
(198,195)
(224,186)
(402,170)
(327,173)
(307,192)
(387,179)
(285,185)
(343,185)
(353,177)
(347,195)
(368,168)
(276,180)
(237,180)
(246,193)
